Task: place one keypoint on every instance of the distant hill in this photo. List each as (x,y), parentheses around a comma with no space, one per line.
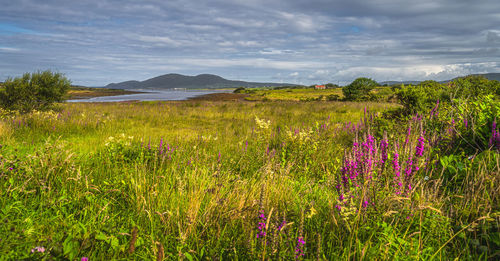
(489,76)
(399,82)
(202,81)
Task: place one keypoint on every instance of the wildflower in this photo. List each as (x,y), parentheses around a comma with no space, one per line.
(160,147)
(419,150)
(282,225)
(84,259)
(39,249)
(383,149)
(262,225)
(409,170)
(495,136)
(299,251)
(434,111)
(395,164)
(408,135)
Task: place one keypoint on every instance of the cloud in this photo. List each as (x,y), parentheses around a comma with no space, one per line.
(96,42)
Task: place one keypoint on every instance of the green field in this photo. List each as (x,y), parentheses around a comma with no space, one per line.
(275,178)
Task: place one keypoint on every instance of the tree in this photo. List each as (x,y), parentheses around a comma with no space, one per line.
(35,91)
(359,89)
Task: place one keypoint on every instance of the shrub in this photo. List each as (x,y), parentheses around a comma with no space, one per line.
(239,90)
(359,89)
(473,86)
(421,97)
(35,91)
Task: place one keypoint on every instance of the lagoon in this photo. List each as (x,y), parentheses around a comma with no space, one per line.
(153,95)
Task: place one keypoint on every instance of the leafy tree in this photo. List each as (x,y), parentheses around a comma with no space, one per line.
(34,91)
(359,89)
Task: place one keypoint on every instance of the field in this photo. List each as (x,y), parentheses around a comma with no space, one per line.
(287,177)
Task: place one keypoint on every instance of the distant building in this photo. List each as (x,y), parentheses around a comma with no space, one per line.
(319,87)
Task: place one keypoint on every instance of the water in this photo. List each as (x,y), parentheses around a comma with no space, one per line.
(153,95)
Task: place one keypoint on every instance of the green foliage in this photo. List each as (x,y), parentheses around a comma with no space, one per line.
(359,89)
(194,181)
(425,95)
(421,97)
(333,97)
(473,86)
(239,90)
(35,91)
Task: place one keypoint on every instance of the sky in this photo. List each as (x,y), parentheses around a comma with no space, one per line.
(97,42)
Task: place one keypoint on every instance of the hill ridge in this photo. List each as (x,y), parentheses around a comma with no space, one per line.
(200,81)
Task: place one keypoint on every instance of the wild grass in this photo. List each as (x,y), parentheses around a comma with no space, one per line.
(236,180)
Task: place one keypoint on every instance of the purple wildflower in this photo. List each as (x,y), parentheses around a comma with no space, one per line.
(262,225)
(383,149)
(299,251)
(408,135)
(419,150)
(395,164)
(160,147)
(84,259)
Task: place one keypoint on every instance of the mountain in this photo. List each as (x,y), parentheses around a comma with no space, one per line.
(489,76)
(202,81)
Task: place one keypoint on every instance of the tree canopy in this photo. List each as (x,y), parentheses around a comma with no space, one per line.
(34,91)
(359,89)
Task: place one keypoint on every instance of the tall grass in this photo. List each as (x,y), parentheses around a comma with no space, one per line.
(233,180)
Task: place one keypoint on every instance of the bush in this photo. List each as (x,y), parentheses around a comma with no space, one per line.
(473,86)
(35,91)
(359,89)
(239,90)
(420,98)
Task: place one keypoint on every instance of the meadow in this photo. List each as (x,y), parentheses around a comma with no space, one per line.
(272,179)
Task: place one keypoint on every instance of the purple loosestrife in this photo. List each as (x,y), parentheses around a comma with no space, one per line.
(397,172)
(299,248)
(434,111)
(261,233)
(408,134)
(160,147)
(384,145)
(495,136)
(419,150)
(409,171)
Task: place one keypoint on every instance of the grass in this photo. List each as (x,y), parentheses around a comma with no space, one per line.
(294,94)
(200,180)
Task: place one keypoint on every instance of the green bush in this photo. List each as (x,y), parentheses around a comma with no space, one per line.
(359,89)
(424,96)
(473,86)
(35,91)
(239,90)
(420,98)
